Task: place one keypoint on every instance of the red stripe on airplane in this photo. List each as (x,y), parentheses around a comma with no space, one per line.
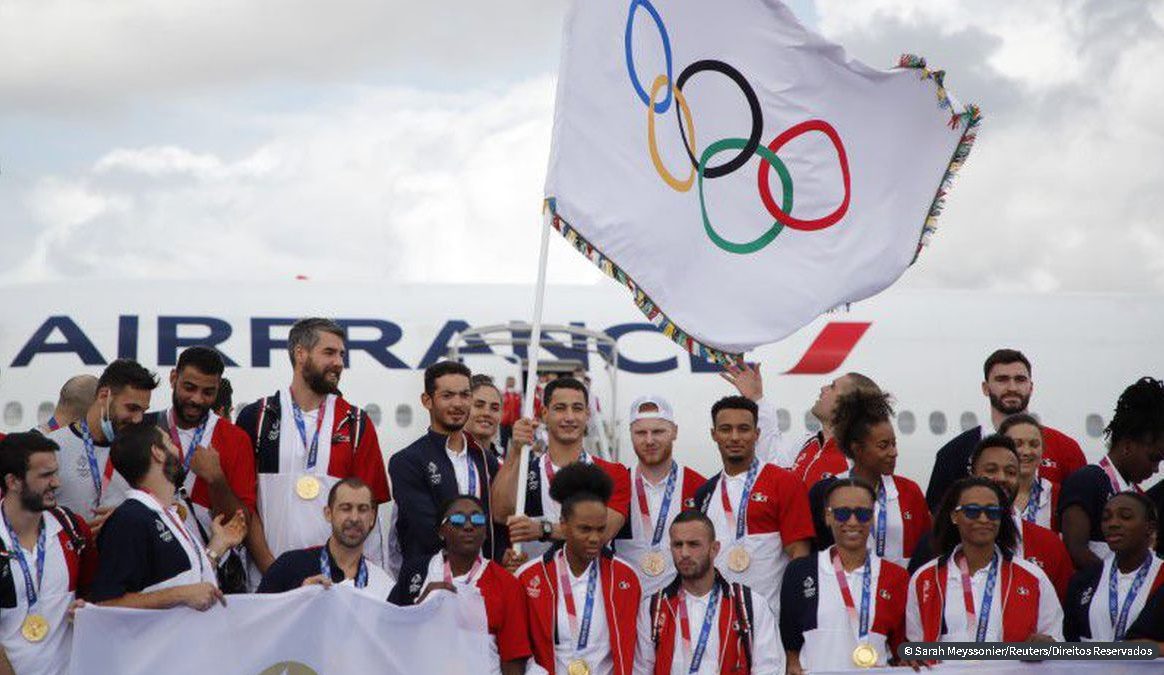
(830,349)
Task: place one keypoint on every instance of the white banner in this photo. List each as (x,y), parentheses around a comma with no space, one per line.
(740,174)
(1026,668)
(310,631)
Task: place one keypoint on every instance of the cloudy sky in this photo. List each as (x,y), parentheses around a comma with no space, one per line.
(388,140)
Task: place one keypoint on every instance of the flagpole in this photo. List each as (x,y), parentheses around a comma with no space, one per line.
(533,351)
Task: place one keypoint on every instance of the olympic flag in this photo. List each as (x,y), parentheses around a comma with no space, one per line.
(309,631)
(738,173)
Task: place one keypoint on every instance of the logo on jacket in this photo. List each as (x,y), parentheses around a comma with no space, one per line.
(534,589)
(1037,562)
(809,587)
(414,583)
(82,467)
(906,515)
(759,497)
(925,591)
(434,474)
(1023,590)
(273,434)
(1085,599)
(163,532)
(689,503)
(622,586)
(885,595)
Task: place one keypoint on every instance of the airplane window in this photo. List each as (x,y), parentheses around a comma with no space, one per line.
(374,414)
(906,423)
(968,421)
(783,420)
(44,412)
(403,415)
(938,422)
(811,423)
(1094,425)
(13,413)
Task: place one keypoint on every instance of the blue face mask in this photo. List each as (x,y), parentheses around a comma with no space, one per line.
(107,426)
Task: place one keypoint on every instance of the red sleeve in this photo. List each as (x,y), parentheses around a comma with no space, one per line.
(795,514)
(620,498)
(900,583)
(89,559)
(1068,455)
(513,633)
(692,481)
(238,463)
(368,464)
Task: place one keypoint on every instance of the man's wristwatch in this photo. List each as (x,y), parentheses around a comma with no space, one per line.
(547,531)
(213,555)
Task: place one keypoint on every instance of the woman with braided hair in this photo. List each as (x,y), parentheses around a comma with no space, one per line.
(1135,438)
(863,428)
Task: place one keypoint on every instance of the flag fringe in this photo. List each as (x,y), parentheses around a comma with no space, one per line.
(970,117)
(645,304)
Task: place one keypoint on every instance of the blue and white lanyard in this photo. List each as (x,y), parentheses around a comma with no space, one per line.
(301,425)
(882,518)
(1119,617)
(1031,514)
(31,589)
(325,568)
(91,455)
(704,632)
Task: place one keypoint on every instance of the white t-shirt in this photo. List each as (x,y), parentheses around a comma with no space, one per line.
(77,492)
(597,651)
(633,550)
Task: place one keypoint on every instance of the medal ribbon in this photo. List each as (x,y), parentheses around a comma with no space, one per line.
(183,532)
(860,623)
(472,471)
(664,508)
(1031,513)
(696,658)
(91,455)
(584,458)
(882,518)
(1119,617)
(582,634)
(1113,476)
(31,589)
(301,425)
(325,567)
(983,617)
(188,453)
(742,516)
(469,577)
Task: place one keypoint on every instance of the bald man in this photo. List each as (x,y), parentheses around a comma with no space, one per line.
(76,396)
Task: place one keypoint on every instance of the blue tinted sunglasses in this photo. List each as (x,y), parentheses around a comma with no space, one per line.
(974,511)
(842,514)
(461,519)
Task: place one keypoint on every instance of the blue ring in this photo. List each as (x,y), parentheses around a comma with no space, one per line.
(661,106)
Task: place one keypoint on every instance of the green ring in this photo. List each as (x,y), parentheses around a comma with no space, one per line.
(785,182)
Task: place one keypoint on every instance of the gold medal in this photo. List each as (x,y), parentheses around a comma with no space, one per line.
(182,513)
(35,628)
(578,667)
(653,564)
(307,487)
(864,656)
(739,559)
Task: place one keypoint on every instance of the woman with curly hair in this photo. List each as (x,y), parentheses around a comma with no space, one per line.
(1135,438)
(978,590)
(863,427)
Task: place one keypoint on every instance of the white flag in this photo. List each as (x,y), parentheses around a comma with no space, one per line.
(740,174)
(310,631)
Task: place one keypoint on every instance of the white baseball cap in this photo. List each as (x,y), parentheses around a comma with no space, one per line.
(662,409)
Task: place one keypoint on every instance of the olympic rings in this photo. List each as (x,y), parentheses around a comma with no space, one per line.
(746,146)
(661,106)
(783,216)
(785,180)
(753,105)
(675,183)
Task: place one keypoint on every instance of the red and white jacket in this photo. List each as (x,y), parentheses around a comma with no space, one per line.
(1024,603)
(819,459)
(1044,548)
(620,593)
(1062,456)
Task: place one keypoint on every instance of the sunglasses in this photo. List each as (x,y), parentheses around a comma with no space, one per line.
(461,519)
(842,514)
(974,511)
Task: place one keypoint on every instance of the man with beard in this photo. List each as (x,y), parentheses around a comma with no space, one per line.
(47,561)
(440,465)
(76,396)
(89,485)
(149,559)
(307,438)
(818,456)
(1007,383)
(662,489)
(351,513)
(217,460)
(700,623)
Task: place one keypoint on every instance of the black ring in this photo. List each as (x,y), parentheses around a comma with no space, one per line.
(753,103)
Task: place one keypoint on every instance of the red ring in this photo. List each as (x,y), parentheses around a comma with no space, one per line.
(766,193)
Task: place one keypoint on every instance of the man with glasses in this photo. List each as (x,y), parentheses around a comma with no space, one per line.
(351,513)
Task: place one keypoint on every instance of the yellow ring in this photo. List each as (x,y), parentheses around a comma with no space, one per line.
(675,183)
